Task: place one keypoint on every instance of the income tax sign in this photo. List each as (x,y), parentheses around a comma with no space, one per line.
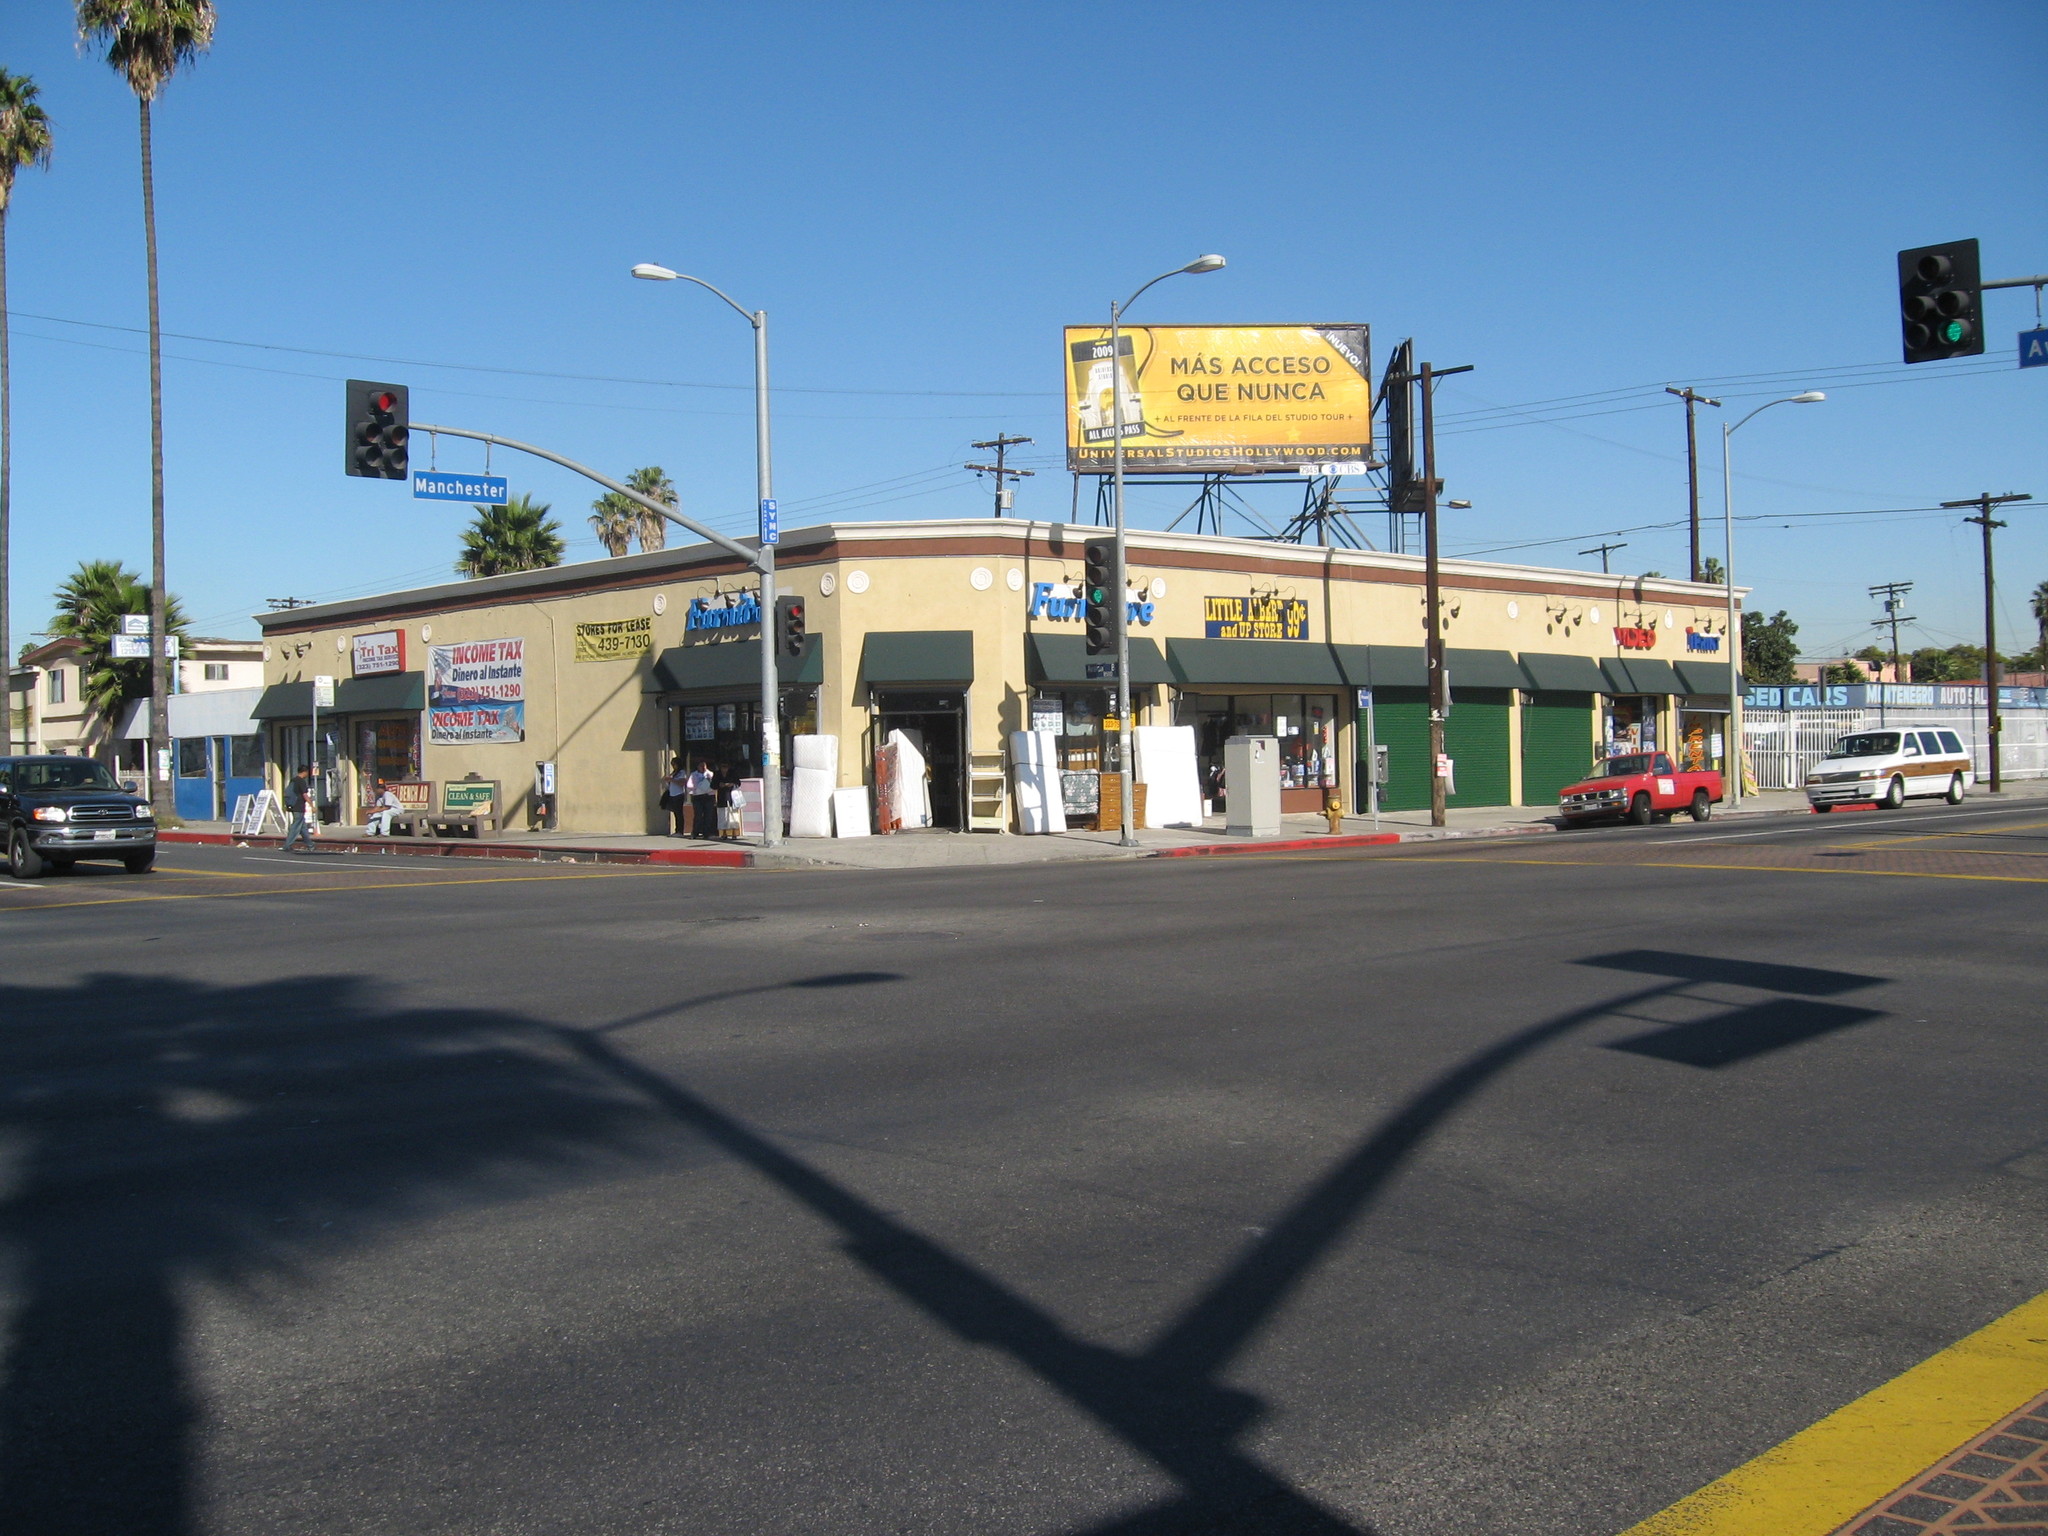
(476,691)
(1273,397)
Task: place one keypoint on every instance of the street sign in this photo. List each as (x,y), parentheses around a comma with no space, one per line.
(1365,698)
(1098,670)
(2034,349)
(134,623)
(130,647)
(323,692)
(430,485)
(771,526)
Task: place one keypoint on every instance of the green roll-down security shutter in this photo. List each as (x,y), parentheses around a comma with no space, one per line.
(1557,744)
(1476,741)
(1401,724)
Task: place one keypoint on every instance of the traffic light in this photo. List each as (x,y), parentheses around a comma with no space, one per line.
(1098,611)
(789,625)
(377,417)
(1941,302)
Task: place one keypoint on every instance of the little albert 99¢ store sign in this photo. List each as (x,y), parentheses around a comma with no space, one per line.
(1254,618)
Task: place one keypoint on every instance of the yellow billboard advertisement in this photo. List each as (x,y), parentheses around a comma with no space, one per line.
(1221,397)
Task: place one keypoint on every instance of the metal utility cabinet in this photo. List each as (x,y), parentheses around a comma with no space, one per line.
(1251,786)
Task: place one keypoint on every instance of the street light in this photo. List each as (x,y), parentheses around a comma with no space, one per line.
(770,533)
(1120,576)
(1733,638)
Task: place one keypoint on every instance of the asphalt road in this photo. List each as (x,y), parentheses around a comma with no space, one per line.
(1518,1186)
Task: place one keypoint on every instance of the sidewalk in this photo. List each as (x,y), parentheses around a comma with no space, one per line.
(926,849)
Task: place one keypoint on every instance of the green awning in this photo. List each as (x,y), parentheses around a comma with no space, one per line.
(1065,658)
(391,693)
(891,658)
(730,664)
(1399,666)
(1482,669)
(1563,674)
(1705,677)
(1266,664)
(1639,674)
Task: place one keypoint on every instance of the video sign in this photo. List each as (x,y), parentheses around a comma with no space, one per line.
(1210,398)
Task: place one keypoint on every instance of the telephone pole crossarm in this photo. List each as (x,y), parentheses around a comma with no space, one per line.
(1002,442)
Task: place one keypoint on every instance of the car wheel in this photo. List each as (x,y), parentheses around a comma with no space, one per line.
(1702,807)
(1822,810)
(138,863)
(1894,794)
(1955,790)
(23,862)
(1639,811)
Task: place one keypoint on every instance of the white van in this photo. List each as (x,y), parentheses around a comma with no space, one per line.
(1891,767)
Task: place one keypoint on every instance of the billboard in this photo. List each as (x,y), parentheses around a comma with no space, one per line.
(1221,397)
(476,691)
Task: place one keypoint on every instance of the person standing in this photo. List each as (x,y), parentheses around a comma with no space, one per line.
(675,797)
(298,799)
(703,789)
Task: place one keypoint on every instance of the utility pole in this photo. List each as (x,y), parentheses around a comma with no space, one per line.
(1602,550)
(1692,470)
(1001,442)
(1894,595)
(1432,596)
(1993,725)
(281,604)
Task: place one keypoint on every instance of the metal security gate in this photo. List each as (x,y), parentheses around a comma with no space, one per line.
(1476,742)
(1401,717)
(1781,745)
(1557,744)
(1784,744)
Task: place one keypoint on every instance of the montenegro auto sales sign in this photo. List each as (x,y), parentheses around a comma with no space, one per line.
(476,691)
(1276,397)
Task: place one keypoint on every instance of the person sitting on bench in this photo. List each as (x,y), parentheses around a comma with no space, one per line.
(386,807)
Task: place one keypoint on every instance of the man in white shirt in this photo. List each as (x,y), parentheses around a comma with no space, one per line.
(387,805)
(703,789)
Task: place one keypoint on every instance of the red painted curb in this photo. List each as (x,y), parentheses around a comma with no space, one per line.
(1846,805)
(701,858)
(1292,845)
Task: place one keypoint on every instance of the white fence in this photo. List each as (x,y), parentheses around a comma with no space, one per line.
(1782,744)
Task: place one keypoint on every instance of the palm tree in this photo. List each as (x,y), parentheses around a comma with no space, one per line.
(24,141)
(146,41)
(90,606)
(2039,603)
(614,518)
(655,485)
(518,536)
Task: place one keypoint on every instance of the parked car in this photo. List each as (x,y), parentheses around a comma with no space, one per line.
(1640,787)
(58,810)
(1891,767)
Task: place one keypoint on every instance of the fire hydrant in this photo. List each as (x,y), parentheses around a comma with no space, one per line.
(1333,812)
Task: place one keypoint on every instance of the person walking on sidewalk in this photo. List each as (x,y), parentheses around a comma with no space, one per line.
(675,798)
(298,799)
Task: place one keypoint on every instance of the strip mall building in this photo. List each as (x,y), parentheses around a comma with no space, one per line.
(964,630)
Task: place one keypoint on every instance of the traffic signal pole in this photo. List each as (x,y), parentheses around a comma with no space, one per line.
(1432,585)
(1993,725)
(761,560)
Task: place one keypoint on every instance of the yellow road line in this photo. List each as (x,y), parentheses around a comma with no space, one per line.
(218,874)
(1923,837)
(1813,1482)
(1756,869)
(323,890)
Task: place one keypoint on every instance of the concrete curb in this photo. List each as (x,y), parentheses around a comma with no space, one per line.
(702,858)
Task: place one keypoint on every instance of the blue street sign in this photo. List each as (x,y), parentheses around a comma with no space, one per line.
(433,486)
(2034,349)
(1099,671)
(1365,698)
(771,529)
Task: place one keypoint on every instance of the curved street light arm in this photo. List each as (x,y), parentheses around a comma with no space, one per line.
(747,315)
(753,558)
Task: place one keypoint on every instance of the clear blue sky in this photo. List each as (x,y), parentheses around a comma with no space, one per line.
(1577,199)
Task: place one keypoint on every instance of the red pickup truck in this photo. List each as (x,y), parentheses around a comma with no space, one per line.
(1640,787)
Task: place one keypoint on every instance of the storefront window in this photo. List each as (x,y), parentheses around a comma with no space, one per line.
(1701,742)
(192,757)
(727,734)
(1304,723)
(387,751)
(1631,724)
(245,757)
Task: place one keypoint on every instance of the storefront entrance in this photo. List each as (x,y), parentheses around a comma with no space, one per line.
(214,771)
(1305,725)
(936,725)
(1557,743)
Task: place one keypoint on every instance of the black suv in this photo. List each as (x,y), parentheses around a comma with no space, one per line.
(58,810)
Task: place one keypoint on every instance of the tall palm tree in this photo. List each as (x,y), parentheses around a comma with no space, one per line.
(614,518)
(2039,603)
(518,536)
(655,485)
(24,141)
(146,42)
(90,606)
